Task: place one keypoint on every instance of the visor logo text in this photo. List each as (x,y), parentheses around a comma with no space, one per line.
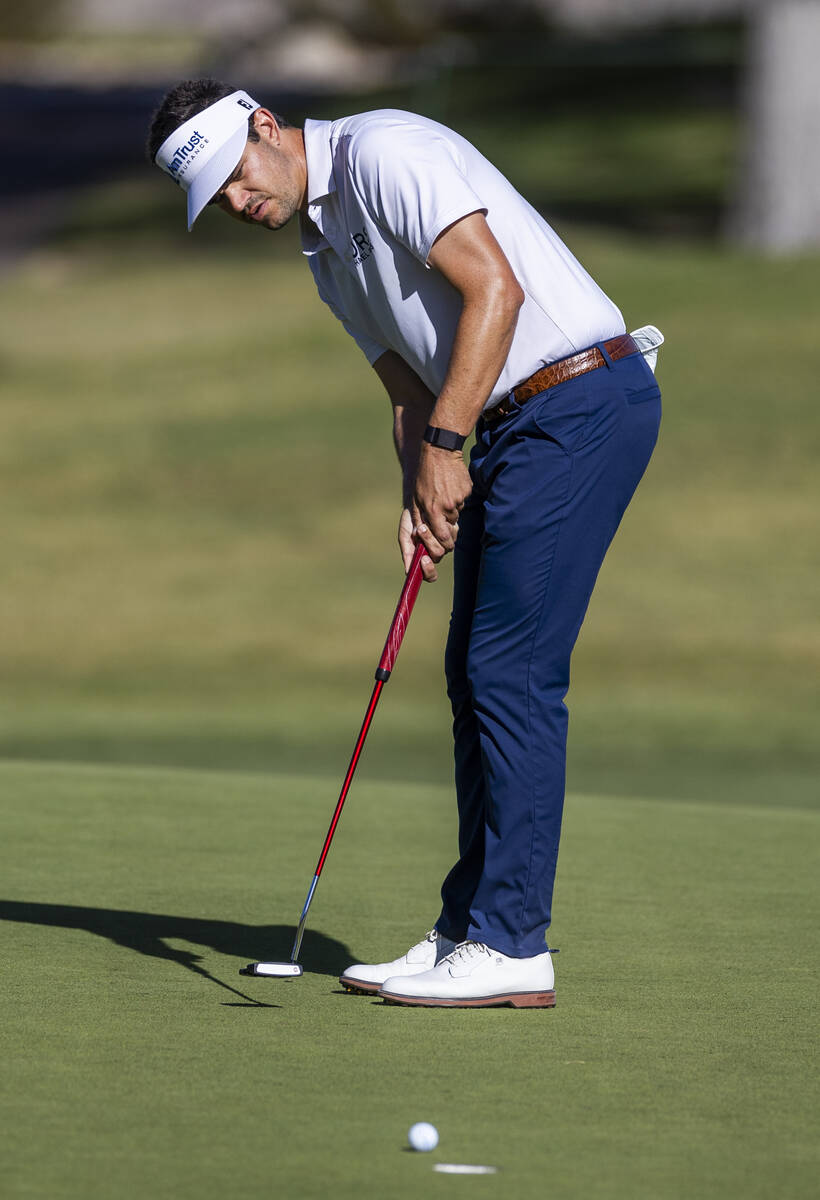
(184,154)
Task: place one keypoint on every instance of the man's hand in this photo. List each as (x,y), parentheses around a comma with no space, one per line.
(409,523)
(442,485)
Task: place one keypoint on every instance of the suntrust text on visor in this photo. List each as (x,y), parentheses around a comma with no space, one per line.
(203,152)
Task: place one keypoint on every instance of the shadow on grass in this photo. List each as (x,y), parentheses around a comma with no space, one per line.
(148,933)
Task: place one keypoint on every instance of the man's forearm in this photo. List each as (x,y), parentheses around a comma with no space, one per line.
(469,258)
(483,339)
(409,425)
(412,405)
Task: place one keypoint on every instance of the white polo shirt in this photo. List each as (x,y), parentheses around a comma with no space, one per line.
(381,187)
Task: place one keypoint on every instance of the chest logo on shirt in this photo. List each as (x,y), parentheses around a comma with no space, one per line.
(361,247)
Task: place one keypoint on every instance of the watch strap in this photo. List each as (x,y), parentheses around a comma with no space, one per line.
(447,439)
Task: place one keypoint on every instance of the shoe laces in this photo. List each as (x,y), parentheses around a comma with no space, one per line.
(422,945)
(466,951)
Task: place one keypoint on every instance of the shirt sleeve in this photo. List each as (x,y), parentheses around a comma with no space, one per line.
(412,181)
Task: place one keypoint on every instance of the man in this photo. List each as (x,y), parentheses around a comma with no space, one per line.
(475,316)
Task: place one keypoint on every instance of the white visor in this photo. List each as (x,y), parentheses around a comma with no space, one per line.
(201,154)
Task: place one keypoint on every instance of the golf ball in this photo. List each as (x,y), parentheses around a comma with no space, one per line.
(423,1136)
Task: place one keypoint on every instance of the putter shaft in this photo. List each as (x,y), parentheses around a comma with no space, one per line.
(395,635)
(297,945)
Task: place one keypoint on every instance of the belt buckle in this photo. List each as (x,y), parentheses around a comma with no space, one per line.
(505,407)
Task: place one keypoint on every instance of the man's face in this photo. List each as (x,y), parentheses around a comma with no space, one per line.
(269,183)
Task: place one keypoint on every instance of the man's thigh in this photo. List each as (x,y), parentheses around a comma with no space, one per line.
(556,482)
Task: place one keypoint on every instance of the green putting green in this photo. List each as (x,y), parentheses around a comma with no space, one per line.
(136,1061)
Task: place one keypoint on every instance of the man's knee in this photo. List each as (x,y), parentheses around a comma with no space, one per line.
(485,677)
(501,680)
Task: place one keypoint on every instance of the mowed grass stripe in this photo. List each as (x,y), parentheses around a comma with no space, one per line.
(674,1065)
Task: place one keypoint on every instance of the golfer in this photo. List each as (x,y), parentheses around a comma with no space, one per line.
(476,318)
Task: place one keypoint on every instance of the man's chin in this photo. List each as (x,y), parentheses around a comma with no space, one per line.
(274,221)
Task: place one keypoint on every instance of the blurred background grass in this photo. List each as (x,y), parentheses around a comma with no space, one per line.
(199,494)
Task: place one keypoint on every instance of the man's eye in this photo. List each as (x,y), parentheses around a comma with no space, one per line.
(220,195)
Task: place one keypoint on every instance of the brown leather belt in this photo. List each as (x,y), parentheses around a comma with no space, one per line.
(559,372)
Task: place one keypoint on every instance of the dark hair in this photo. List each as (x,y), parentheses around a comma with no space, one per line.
(185,101)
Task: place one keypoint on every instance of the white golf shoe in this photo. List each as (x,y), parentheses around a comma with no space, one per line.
(369,977)
(474,976)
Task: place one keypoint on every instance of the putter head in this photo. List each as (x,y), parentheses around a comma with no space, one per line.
(273,970)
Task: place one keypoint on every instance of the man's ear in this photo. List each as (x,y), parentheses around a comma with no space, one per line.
(265,125)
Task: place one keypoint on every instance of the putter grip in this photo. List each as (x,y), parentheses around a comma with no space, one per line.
(398,625)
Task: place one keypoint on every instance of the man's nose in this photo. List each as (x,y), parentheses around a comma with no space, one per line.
(236,197)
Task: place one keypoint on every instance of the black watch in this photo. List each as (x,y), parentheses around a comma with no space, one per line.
(447,439)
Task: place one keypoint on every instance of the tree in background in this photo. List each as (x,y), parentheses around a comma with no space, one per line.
(777,201)
(19,20)
(776,197)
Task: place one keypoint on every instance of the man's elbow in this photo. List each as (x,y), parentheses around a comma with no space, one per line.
(509,296)
(498,294)
(517,295)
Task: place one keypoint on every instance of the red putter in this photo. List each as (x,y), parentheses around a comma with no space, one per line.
(395,636)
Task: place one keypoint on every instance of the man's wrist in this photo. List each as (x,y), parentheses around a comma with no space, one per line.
(445,439)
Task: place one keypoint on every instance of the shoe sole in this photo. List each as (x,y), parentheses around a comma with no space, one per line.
(514,1000)
(357,988)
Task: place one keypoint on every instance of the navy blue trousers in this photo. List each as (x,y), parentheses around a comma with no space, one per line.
(551,482)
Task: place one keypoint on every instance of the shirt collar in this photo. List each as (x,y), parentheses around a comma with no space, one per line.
(320,183)
(320,180)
